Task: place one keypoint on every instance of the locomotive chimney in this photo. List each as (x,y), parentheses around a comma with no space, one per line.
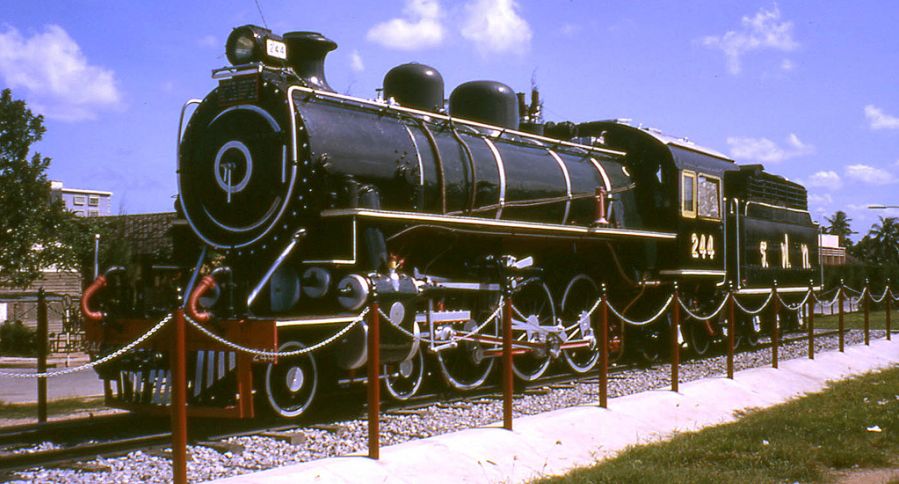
(306,53)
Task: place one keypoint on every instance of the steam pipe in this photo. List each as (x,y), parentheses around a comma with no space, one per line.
(92,290)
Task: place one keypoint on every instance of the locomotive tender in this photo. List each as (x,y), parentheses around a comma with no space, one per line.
(309,204)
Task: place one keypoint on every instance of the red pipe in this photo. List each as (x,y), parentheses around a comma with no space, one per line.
(193,302)
(91,291)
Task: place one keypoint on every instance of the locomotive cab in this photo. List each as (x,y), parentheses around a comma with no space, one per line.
(678,189)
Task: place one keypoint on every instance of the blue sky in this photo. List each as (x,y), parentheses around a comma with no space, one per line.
(809,89)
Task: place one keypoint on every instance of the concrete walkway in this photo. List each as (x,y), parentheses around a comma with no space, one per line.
(556,442)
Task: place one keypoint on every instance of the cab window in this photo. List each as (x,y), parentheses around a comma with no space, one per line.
(688,194)
(709,196)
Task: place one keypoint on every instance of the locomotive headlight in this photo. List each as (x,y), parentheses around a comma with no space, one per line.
(251,43)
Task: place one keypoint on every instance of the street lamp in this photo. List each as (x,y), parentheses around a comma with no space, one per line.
(881,207)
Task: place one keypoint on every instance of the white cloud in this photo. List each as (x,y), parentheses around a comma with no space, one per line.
(877,119)
(356,63)
(787,65)
(822,199)
(495,27)
(764,30)
(766,151)
(52,68)
(420,28)
(869,174)
(825,179)
(570,30)
(208,41)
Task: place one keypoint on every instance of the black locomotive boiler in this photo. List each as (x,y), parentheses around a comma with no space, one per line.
(309,204)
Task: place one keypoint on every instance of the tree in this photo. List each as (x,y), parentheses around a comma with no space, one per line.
(839,226)
(886,238)
(33,227)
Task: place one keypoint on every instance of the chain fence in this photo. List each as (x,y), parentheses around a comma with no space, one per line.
(862,294)
(106,359)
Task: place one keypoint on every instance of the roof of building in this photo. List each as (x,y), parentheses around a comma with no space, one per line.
(146,233)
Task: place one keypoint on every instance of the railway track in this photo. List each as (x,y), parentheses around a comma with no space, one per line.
(116,435)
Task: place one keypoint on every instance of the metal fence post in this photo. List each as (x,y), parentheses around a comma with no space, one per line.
(374,381)
(811,321)
(840,298)
(604,348)
(179,400)
(731,330)
(675,344)
(43,345)
(508,380)
(866,293)
(775,326)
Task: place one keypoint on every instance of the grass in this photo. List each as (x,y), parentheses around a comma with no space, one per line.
(856,320)
(806,440)
(62,406)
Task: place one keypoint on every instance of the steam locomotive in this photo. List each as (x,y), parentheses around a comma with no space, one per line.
(309,204)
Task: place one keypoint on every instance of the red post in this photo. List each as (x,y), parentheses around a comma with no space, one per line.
(840,297)
(508,380)
(179,400)
(604,349)
(731,332)
(675,344)
(811,323)
(775,326)
(374,382)
(43,345)
(865,296)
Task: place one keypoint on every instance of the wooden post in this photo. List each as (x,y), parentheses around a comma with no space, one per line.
(179,400)
(731,331)
(374,381)
(889,300)
(508,378)
(811,321)
(675,344)
(604,349)
(840,298)
(775,326)
(43,345)
(866,293)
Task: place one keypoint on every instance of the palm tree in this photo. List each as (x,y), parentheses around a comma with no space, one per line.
(886,236)
(839,226)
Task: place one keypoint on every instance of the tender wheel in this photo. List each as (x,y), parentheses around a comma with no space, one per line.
(402,380)
(652,342)
(698,333)
(291,384)
(752,330)
(532,307)
(579,297)
(465,367)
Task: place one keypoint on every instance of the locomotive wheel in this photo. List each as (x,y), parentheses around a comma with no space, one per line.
(579,297)
(532,304)
(402,380)
(700,339)
(465,367)
(291,384)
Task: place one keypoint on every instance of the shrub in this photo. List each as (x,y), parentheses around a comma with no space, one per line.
(16,339)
